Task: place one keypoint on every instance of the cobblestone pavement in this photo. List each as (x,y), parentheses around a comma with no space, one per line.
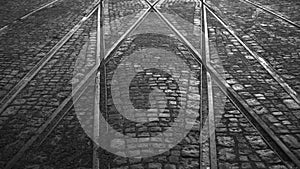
(288,8)
(152,89)
(24,44)
(118,17)
(185,17)
(253,84)
(38,100)
(13,10)
(270,37)
(141,54)
(68,146)
(239,144)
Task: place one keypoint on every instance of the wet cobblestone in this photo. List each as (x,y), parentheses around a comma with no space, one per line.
(185,16)
(287,8)
(46,91)
(239,144)
(118,17)
(24,44)
(273,39)
(68,146)
(156,95)
(253,84)
(13,10)
(146,43)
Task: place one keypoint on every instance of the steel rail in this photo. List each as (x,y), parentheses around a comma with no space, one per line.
(267,134)
(78,90)
(11,95)
(99,53)
(271,12)
(67,104)
(261,60)
(27,15)
(211,113)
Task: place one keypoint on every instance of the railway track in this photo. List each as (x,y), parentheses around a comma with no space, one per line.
(30,13)
(67,104)
(213,76)
(272,12)
(242,105)
(262,127)
(262,53)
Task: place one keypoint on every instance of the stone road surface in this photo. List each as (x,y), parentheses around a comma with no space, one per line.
(10,11)
(152,86)
(270,37)
(24,44)
(290,9)
(253,84)
(141,53)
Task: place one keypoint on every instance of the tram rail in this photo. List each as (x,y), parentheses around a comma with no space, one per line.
(30,13)
(271,12)
(268,135)
(65,106)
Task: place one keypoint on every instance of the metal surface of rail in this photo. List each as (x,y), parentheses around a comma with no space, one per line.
(263,129)
(261,60)
(212,74)
(30,13)
(77,91)
(11,95)
(271,12)
(67,104)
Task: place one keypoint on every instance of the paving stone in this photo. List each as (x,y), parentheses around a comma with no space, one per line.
(236,150)
(28,40)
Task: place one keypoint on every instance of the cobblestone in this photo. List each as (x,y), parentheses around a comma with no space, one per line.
(236,150)
(255,80)
(186,153)
(188,23)
(27,42)
(68,145)
(156,91)
(270,37)
(13,10)
(288,8)
(48,89)
(118,17)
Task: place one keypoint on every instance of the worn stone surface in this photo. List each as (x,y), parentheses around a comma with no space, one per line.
(118,17)
(253,83)
(13,10)
(239,144)
(158,94)
(155,93)
(288,9)
(48,89)
(185,16)
(270,37)
(25,43)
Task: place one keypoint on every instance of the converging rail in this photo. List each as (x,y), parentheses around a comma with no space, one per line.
(210,74)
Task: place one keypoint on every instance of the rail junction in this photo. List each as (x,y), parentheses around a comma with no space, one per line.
(154,84)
